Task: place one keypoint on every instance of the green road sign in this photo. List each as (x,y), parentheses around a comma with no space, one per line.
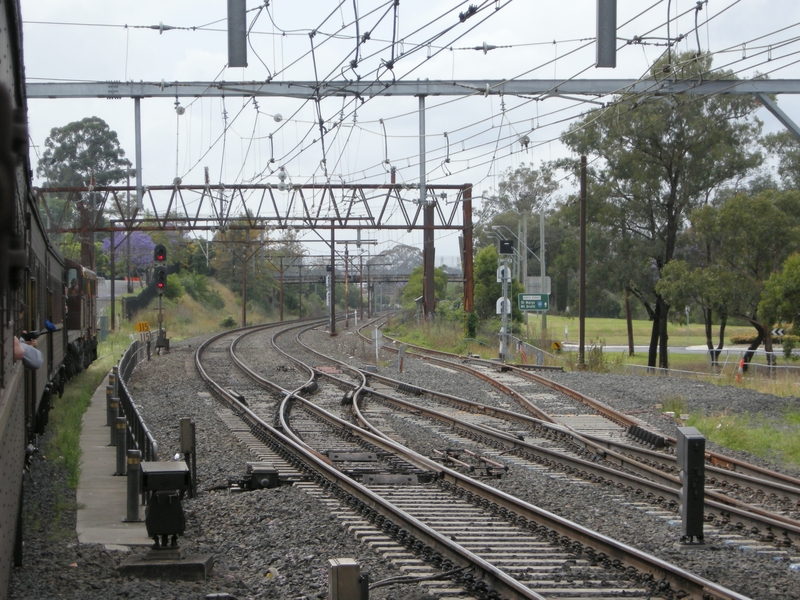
(533,302)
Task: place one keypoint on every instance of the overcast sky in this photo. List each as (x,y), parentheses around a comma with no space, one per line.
(100,40)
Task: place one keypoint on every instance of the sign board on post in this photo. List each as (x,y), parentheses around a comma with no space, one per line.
(533,285)
(528,302)
(506,247)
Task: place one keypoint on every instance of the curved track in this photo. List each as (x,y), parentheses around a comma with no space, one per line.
(494,544)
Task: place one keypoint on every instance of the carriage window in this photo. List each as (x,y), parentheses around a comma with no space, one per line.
(72,278)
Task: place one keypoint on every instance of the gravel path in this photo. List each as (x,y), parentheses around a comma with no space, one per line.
(276,543)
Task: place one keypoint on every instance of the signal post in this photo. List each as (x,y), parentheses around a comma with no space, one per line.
(160,258)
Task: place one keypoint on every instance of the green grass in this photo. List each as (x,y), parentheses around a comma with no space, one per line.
(614,332)
(65,419)
(187,318)
(676,404)
(769,438)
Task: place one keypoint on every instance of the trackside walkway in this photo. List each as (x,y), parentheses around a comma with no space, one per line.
(101,495)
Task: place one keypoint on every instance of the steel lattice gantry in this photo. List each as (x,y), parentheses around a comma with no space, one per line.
(315,207)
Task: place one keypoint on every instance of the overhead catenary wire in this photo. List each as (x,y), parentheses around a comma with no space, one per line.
(506,137)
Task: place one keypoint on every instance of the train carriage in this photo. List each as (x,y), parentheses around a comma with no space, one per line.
(14,189)
(33,298)
(41,314)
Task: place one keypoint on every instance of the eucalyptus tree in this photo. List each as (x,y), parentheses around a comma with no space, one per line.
(786,148)
(749,238)
(80,154)
(81,151)
(656,158)
(522,193)
(413,289)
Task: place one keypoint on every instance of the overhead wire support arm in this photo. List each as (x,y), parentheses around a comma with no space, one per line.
(466,87)
(773,107)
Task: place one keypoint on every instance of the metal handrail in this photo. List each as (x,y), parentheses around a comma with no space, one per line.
(138,436)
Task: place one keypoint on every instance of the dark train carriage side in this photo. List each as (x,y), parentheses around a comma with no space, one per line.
(14,205)
(32,299)
(81,318)
(43,304)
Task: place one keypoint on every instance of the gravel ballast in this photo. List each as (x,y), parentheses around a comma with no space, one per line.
(276,543)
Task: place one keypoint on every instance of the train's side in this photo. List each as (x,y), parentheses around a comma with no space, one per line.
(41,301)
(14,190)
(33,298)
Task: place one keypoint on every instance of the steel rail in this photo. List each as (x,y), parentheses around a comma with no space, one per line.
(724,512)
(715,475)
(695,586)
(500,581)
(743,473)
(720,506)
(643,562)
(662,486)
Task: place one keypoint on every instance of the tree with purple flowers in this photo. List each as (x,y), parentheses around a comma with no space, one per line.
(141,252)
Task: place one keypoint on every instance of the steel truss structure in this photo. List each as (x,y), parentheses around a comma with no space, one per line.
(314,207)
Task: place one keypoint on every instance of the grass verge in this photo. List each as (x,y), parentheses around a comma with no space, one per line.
(64,445)
(768,438)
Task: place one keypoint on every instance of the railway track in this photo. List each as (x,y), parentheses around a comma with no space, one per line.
(405,494)
(602,427)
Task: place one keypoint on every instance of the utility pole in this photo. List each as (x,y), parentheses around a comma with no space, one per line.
(300,291)
(333,279)
(346,286)
(369,294)
(113,274)
(128,241)
(582,271)
(361,286)
(428,249)
(244,291)
(359,242)
(469,288)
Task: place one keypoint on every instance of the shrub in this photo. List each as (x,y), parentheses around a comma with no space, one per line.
(174,290)
(749,338)
(595,358)
(228,322)
(472,322)
(197,287)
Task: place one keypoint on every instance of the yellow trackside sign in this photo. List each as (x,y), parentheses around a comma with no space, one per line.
(143,326)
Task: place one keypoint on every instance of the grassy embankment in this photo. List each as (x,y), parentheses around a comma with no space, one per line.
(770,438)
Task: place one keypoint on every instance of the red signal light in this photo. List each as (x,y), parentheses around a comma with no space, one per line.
(161,278)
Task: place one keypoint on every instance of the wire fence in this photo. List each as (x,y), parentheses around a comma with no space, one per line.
(139,436)
(728,364)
